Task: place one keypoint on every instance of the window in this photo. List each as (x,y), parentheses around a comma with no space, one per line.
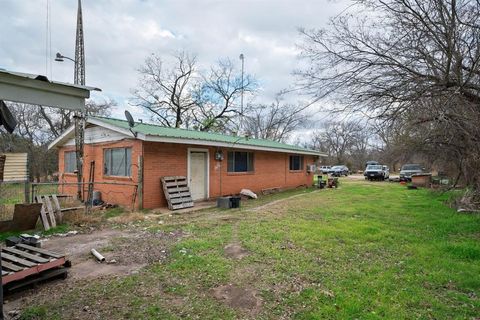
(296,162)
(70,159)
(240,161)
(117,162)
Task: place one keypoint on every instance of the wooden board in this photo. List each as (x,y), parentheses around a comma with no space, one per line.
(177,192)
(46,253)
(43,213)
(22,261)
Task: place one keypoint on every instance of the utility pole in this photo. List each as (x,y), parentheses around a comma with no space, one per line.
(242,57)
(79,117)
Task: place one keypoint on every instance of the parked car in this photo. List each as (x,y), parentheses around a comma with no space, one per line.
(408,170)
(386,169)
(325,169)
(339,170)
(376,172)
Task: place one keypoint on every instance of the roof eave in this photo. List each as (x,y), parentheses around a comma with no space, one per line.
(155,138)
(61,139)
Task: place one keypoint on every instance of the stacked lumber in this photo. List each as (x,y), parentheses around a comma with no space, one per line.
(177,192)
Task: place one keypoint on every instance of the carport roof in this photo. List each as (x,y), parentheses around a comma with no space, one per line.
(39,90)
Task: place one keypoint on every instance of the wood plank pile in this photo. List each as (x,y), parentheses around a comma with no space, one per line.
(22,261)
(177,192)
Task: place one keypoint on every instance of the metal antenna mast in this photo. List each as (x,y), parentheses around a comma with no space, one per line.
(79,78)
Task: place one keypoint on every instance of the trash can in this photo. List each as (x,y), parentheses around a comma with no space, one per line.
(235,202)
(228,202)
(223,202)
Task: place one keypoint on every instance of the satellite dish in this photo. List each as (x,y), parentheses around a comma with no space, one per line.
(130,120)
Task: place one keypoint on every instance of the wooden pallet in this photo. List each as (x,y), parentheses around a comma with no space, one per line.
(177,192)
(22,261)
(51,210)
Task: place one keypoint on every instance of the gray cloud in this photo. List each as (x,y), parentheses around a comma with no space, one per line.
(120,34)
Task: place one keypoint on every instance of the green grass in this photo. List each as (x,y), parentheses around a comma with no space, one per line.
(363,251)
(12,193)
(114,212)
(62,228)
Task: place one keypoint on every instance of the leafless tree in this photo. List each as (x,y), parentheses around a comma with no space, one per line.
(36,127)
(55,121)
(340,139)
(166,90)
(276,121)
(217,96)
(405,58)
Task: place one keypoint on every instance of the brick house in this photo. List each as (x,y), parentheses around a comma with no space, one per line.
(214,164)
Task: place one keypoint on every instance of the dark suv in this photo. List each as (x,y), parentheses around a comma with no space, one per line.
(410,169)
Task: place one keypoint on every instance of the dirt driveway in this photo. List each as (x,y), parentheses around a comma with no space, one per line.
(126,251)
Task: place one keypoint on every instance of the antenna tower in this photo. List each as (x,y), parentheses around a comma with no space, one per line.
(79,78)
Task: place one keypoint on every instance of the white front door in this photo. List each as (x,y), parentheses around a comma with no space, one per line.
(198,174)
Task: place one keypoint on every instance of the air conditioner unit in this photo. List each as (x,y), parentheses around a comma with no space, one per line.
(311,168)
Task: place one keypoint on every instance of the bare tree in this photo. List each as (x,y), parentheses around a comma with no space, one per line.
(340,139)
(217,96)
(37,126)
(276,121)
(405,58)
(166,91)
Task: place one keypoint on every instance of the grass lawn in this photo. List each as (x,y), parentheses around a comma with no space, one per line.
(363,251)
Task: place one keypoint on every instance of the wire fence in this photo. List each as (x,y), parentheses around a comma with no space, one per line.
(11,193)
(92,194)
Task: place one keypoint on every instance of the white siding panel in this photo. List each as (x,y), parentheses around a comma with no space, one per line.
(98,134)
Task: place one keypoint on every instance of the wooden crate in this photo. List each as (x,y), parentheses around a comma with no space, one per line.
(177,192)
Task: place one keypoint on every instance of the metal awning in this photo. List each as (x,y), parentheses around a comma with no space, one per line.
(39,90)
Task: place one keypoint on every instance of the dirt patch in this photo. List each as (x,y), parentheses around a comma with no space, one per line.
(274,203)
(128,250)
(239,298)
(235,251)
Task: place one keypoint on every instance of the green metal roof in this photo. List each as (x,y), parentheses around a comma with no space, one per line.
(167,132)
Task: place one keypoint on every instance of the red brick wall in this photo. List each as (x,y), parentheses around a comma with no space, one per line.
(111,193)
(167,159)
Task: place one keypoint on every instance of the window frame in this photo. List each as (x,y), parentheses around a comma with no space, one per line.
(67,157)
(128,166)
(301,162)
(250,160)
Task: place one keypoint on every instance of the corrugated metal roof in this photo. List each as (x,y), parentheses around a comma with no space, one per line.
(43,78)
(155,130)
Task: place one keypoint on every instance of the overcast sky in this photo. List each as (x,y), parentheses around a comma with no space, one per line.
(119,34)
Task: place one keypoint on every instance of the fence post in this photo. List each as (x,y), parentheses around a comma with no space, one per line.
(27,191)
(140,182)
